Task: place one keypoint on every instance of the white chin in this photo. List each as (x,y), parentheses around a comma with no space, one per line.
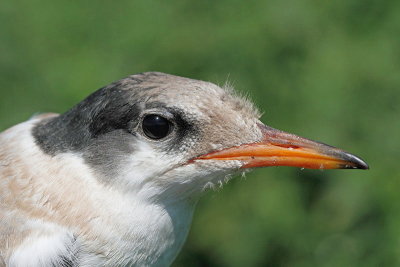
(204,174)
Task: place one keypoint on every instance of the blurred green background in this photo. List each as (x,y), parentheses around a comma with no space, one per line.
(326,70)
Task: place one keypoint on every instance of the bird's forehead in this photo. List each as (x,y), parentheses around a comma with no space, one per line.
(192,96)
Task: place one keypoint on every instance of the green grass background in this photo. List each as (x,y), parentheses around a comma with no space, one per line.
(326,70)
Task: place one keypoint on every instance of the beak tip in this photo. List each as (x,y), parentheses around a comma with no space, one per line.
(355,163)
(364,166)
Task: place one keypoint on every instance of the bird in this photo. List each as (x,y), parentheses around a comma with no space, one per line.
(114,181)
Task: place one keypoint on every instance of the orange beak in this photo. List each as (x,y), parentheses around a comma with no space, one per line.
(283,149)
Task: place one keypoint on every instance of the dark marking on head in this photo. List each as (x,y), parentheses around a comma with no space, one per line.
(114,107)
(106,110)
(104,126)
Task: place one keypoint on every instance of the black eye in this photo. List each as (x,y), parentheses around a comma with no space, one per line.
(155,126)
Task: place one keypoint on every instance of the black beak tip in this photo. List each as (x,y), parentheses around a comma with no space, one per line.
(354,162)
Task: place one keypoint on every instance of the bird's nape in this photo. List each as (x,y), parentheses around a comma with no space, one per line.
(279,148)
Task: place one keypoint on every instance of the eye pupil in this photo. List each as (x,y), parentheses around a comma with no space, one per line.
(155,126)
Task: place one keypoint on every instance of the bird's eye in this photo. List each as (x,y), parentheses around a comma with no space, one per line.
(155,126)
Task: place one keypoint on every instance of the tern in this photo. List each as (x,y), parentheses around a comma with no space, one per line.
(114,181)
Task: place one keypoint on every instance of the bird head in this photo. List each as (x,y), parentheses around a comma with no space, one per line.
(160,135)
